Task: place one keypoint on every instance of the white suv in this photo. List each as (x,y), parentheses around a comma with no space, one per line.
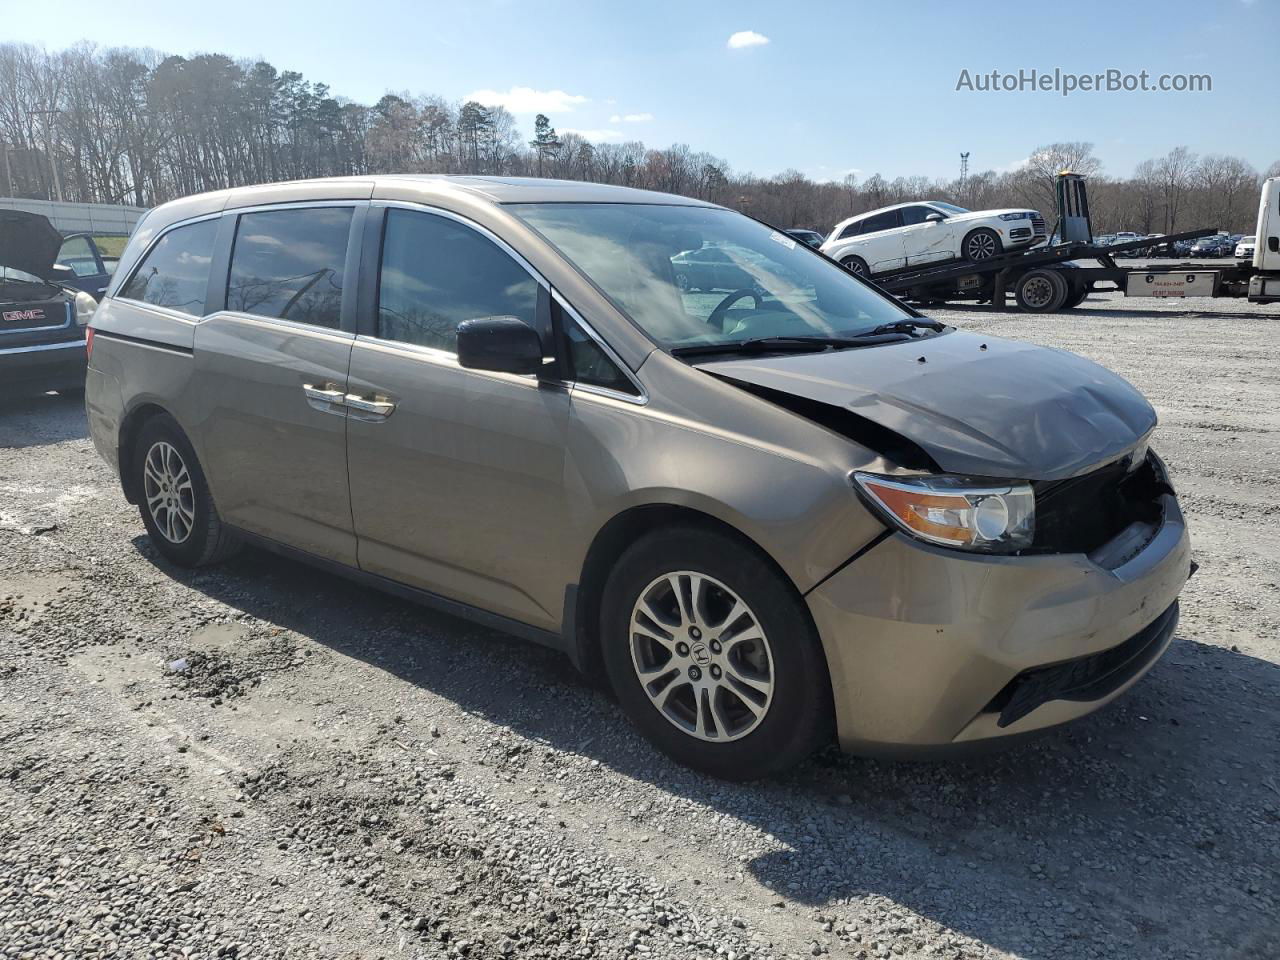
(916,234)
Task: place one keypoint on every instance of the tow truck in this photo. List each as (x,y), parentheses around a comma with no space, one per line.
(1058,276)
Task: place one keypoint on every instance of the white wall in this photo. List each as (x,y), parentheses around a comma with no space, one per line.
(80,217)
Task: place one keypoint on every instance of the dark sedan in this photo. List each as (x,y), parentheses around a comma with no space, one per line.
(1212,247)
(710,268)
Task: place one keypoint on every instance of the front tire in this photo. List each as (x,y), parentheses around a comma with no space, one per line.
(982,244)
(713,655)
(174,500)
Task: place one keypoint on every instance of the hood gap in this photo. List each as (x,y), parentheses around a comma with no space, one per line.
(879,439)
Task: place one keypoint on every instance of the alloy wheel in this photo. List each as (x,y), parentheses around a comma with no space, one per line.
(170,498)
(981,246)
(701,656)
(855,267)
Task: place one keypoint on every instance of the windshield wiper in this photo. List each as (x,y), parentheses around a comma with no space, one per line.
(793,344)
(908,325)
(895,332)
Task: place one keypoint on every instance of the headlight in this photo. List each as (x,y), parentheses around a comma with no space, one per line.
(1016,216)
(85,305)
(955,511)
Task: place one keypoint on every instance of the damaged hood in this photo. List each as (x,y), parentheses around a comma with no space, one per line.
(976,405)
(28,242)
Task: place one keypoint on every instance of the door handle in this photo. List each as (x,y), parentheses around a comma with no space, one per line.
(323,393)
(377,406)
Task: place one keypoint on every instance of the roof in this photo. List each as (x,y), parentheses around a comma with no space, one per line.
(493,189)
(894,206)
(539,190)
(464,191)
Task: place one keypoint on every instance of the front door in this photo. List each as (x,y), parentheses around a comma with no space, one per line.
(271,374)
(924,241)
(457,476)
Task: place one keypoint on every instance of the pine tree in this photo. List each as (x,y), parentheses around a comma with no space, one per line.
(545,139)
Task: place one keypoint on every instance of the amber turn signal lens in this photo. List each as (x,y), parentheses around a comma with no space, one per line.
(955,511)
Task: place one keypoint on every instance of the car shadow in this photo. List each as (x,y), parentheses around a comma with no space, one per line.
(41,419)
(1140,831)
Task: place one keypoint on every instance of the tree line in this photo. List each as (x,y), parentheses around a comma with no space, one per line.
(138,127)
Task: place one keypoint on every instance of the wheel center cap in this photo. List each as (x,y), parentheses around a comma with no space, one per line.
(700,654)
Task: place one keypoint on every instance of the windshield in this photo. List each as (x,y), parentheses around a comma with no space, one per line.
(949,207)
(690,276)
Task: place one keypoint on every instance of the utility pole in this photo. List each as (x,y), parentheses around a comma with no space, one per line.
(8,173)
(48,149)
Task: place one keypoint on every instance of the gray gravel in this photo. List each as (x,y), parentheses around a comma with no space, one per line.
(259,760)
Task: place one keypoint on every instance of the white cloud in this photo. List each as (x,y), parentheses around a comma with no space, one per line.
(825,174)
(598,135)
(631,118)
(747,38)
(528,100)
(1013,165)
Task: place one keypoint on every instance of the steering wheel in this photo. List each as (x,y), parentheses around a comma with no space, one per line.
(716,319)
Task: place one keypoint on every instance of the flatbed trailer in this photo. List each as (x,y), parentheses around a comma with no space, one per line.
(1053,277)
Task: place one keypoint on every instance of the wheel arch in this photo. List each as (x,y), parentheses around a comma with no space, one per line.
(130,427)
(583,600)
(980,228)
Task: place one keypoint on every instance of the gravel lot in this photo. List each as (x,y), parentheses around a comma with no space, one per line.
(333,773)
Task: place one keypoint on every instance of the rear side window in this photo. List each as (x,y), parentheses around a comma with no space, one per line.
(881,221)
(175,274)
(289,264)
(436,273)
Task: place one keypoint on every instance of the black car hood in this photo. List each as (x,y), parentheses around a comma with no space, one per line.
(28,242)
(977,405)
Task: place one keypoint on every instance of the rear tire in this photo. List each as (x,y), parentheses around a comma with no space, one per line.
(1077,291)
(1041,291)
(741,709)
(174,500)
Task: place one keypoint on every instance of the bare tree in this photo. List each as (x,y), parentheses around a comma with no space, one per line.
(1174,172)
(137,126)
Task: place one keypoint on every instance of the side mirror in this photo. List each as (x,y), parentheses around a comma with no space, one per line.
(934,218)
(501,344)
(61,273)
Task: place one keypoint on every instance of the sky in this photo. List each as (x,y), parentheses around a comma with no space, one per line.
(824,88)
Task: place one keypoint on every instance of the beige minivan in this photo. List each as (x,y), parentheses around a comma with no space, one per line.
(770,503)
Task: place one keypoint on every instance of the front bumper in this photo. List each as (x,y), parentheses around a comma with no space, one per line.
(43,366)
(927,646)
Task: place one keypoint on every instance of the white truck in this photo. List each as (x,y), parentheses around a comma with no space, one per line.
(1058,275)
(1264,282)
